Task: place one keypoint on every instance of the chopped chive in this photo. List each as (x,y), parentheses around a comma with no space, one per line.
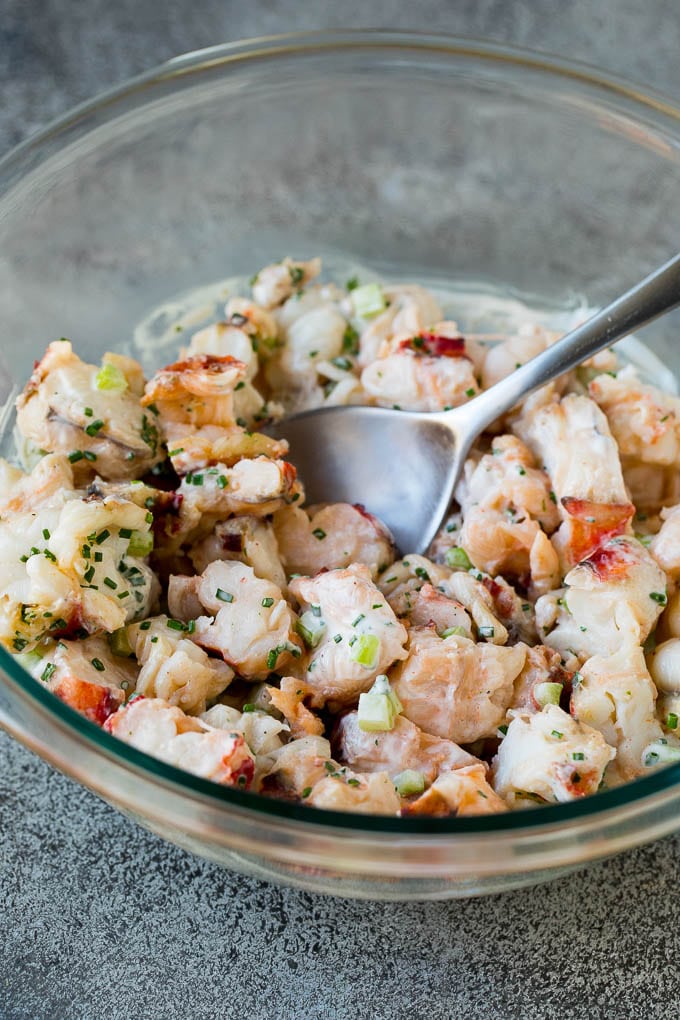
(175,625)
(360,617)
(267,602)
(553,497)
(149,434)
(102,536)
(222,481)
(249,707)
(110,583)
(50,555)
(176,453)
(319,533)
(672,721)
(470,392)
(94,427)
(197,480)
(658,596)
(19,643)
(556,734)
(578,756)
(122,594)
(89,574)
(88,412)
(98,665)
(149,518)
(46,534)
(125,532)
(350,340)
(306,792)
(75,456)
(98,557)
(337,638)
(486,632)
(224,596)
(49,669)
(145,625)
(422,573)
(377,605)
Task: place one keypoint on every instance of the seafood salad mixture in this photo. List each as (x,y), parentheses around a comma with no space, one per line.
(163,576)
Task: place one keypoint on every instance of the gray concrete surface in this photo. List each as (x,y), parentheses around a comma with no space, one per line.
(99,919)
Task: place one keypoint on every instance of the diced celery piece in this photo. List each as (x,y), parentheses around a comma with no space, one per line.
(109,377)
(458,631)
(457,557)
(311,628)
(547,694)
(376,713)
(29,660)
(381,685)
(119,643)
(409,781)
(365,650)
(141,543)
(368,300)
(660,752)
(260,697)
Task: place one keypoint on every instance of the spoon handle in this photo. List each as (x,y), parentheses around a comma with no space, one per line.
(657,293)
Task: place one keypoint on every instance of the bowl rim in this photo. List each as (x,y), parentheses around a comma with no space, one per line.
(631,795)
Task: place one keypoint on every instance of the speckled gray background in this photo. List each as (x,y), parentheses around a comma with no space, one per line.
(99,919)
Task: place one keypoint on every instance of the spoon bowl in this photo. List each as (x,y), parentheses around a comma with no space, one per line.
(400,465)
(403,466)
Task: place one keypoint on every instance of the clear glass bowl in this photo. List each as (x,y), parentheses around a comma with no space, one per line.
(423,156)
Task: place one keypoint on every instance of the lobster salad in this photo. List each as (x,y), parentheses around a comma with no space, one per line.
(163,576)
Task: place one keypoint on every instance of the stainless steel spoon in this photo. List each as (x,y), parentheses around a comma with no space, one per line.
(403,465)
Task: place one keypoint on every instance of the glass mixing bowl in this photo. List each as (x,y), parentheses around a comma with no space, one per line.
(420,156)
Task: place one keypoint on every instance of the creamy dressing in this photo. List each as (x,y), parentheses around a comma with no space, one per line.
(485,310)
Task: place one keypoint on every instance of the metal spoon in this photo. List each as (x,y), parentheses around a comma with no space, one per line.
(403,465)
